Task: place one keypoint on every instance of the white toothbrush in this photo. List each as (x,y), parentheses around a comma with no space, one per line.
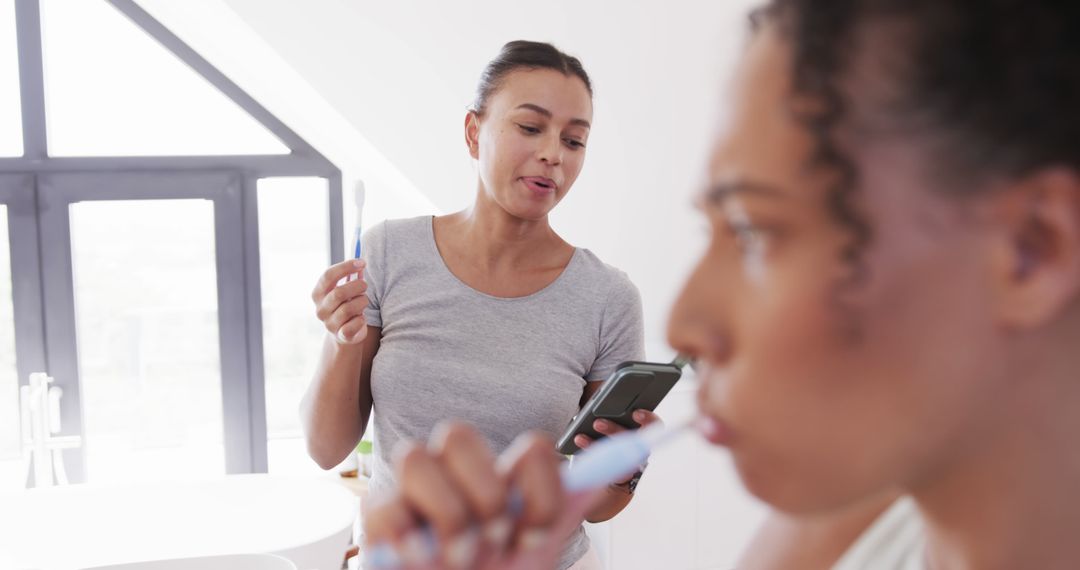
(358,197)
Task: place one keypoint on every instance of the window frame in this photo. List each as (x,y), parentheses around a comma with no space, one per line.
(37,189)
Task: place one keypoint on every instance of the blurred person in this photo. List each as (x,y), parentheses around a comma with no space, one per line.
(889,304)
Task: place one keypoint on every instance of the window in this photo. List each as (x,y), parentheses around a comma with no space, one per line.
(146,315)
(294,249)
(142,251)
(10,110)
(12,471)
(112,90)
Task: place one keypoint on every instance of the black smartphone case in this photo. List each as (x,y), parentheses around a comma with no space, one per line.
(633,386)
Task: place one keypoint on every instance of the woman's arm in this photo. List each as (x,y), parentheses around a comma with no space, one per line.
(612,503)
(337,404)
(615,497)
(335,408)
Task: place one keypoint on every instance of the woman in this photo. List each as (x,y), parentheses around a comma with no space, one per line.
(485,315)
(890,302)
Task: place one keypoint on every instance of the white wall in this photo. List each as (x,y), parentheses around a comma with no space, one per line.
(401,74)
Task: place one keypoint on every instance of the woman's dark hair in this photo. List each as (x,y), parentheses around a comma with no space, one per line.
(522,54)
(991,87)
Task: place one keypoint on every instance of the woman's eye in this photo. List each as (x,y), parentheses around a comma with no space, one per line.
(574,143)
(747,238)
(529,130)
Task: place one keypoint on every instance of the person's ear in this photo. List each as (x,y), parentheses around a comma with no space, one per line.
(1038,259)
(472,133)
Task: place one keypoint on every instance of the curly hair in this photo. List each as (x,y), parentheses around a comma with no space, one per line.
(994,84)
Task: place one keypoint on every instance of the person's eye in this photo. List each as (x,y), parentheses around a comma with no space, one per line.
(748,238)
(528,129)
(574,143)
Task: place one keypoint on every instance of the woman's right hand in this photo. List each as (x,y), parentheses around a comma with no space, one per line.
(340,303)
(457,488)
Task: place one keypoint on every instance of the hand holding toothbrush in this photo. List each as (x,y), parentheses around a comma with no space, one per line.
(340,296)
(454,507)
(340,301)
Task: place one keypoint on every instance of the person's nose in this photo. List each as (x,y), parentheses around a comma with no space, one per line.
(551,150)
(698,325)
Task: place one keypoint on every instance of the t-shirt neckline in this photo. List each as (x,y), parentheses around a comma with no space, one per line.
(430,226)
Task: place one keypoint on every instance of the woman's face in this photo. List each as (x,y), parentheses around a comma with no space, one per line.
(827,392)
(530,141)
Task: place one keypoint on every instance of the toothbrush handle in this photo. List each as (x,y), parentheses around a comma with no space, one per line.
(357,249)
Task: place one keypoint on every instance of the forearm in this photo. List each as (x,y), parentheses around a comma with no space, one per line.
(612,503)
(335,408)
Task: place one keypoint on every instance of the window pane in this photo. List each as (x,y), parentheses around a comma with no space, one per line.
(12,470)
(294,249)
(10,111)
(111,89)
(146,314)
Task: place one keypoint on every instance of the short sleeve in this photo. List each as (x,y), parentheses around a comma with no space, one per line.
(374,253)
(622,329)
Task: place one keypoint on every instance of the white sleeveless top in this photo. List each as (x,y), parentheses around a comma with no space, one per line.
(895,541)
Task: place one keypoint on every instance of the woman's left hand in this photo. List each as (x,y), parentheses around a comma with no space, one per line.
(608,427)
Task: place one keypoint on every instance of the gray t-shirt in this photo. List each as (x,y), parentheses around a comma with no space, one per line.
(504,365)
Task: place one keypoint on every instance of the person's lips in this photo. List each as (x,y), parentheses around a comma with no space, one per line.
(540,185)
(708,424)
(713,430)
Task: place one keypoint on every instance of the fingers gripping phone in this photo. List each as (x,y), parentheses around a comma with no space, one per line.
(633,386)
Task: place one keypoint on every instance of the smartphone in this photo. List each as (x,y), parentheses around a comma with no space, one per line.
(633,386)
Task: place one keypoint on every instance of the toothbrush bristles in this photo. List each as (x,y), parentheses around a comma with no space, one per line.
(358,195)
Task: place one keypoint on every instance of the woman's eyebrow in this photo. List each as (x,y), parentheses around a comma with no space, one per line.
(538,109)
(718,192)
